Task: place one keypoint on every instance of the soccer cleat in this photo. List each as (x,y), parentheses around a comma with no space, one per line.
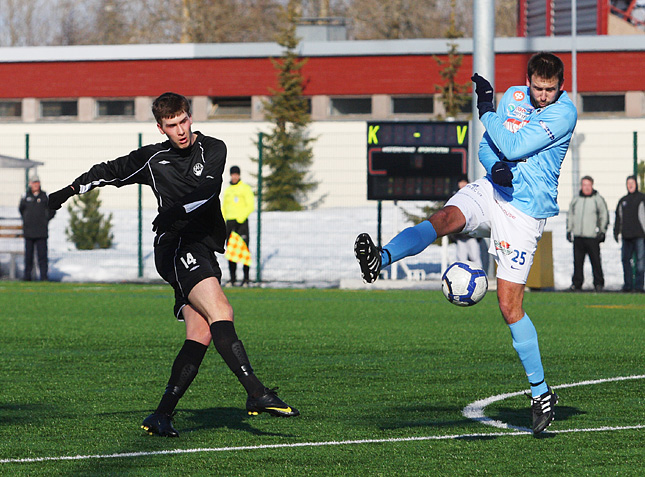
(368,257)
(270,403)
(160,424)
(543,410)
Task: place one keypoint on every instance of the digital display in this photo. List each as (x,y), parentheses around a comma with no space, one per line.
(415,160)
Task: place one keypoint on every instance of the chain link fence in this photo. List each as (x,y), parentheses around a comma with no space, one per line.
(313,247)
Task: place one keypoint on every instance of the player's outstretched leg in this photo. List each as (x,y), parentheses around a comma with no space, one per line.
(260,398)
(543,410)
(270,403)
(160,424)
(368,257)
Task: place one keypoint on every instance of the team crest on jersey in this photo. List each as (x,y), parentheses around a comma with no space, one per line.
(198,169)
(518,96)
(503,247)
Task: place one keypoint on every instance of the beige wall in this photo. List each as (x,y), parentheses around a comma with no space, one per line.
(67,150)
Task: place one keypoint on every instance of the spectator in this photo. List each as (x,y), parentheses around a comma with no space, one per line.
(238,203)
(630,223)
(468,247)
(587,224)
(35,220)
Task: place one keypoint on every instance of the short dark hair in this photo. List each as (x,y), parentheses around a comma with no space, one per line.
(635,180)
(546,65)
(169,105)
(587,178)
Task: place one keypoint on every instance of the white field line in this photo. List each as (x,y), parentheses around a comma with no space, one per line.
(475,410)
(472,411)
(304,444)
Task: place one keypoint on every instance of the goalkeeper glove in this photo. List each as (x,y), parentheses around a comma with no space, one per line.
(484,92)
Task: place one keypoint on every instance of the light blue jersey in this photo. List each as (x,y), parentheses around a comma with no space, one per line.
(533,142)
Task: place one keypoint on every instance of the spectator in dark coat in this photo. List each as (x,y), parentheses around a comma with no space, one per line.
(630,223)
(35,220)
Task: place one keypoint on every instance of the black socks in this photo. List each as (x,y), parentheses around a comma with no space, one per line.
(231,349)
(184,370)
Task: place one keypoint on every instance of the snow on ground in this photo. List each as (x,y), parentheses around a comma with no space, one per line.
(309,248)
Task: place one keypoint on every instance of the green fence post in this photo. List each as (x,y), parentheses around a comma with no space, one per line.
(140,238)
(635,154)
(27,157)
(258,261)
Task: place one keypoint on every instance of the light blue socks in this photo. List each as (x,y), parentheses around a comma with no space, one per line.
(525,342)
(409,242)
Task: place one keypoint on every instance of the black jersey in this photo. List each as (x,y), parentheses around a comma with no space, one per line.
(188,178)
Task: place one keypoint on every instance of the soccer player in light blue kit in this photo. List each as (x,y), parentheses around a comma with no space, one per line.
(522,151)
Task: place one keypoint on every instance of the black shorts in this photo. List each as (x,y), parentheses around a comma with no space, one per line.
(183,267)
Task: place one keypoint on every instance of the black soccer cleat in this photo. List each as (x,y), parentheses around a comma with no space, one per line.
(160,424)
(270,403)
(543,410)
(368,257)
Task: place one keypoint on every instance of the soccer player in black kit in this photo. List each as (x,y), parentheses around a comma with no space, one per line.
(185,174)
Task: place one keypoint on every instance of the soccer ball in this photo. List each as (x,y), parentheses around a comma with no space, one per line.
(464,284)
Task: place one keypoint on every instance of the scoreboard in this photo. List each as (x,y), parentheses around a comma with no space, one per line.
(415,160)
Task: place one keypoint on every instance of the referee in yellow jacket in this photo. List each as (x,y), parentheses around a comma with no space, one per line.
(237,204)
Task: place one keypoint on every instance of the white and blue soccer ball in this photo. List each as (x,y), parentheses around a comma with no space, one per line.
(464,284)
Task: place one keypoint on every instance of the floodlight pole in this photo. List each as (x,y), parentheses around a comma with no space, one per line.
(484,64)
(573,146)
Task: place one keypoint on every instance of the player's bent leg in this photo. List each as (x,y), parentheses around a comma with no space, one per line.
(408,242)
(209,300)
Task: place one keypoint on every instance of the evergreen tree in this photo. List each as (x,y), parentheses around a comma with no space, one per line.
(454,96)
(88,229)
(287,150)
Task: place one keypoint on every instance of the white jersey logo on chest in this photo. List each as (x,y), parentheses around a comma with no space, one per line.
(198,169)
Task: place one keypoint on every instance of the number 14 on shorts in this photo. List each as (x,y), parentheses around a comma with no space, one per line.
(189,262)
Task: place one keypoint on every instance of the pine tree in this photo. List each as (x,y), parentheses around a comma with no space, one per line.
(88,229)
(287,149)
(454,96)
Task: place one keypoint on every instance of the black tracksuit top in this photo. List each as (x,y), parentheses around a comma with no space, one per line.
(190,178)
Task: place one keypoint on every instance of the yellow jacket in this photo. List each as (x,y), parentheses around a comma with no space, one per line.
(238,202)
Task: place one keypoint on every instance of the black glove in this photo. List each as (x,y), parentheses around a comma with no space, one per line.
(58,198)
(569,236)
(600,237)
(484,92)
(501,174)
(164,220)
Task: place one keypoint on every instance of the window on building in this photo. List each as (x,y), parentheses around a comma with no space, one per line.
(10,109)
(56,108)
(603,103)
(230,107)
(413,105)
(115,107)
(349,106)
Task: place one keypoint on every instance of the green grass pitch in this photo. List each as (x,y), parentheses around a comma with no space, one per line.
(82,365)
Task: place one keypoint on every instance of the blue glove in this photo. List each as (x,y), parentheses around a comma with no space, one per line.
(501,174)
(484,92)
